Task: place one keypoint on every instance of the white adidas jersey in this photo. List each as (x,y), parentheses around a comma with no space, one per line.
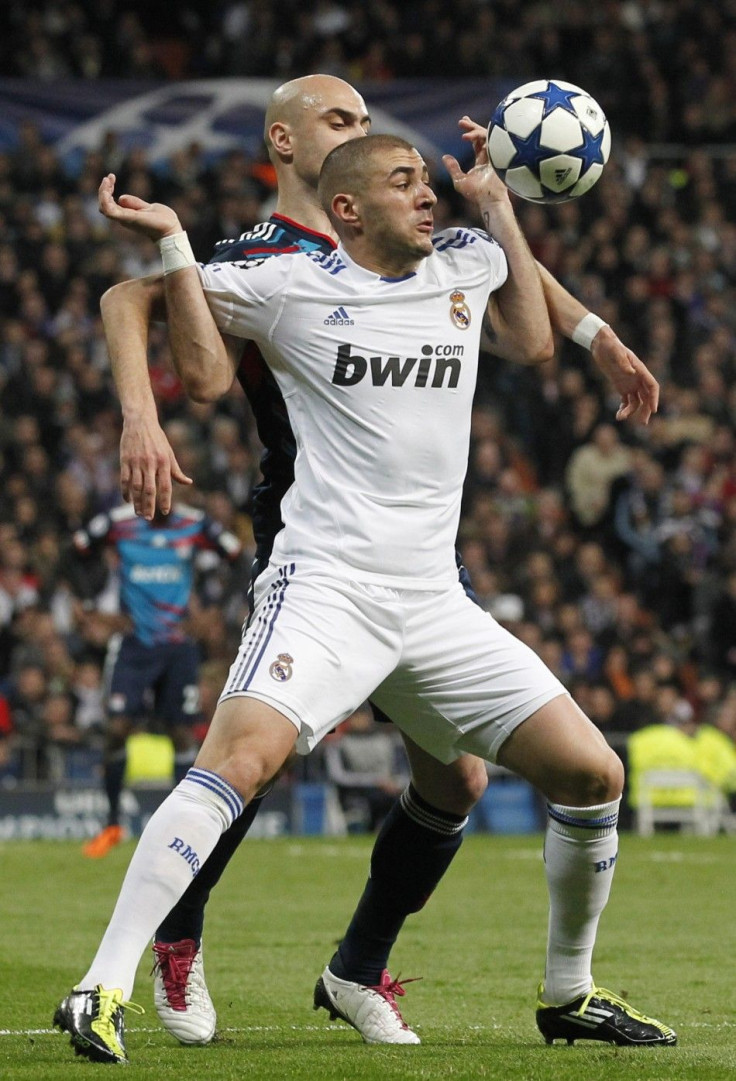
(378,378)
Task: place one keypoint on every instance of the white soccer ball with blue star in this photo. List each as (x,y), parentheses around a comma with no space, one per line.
(548,141)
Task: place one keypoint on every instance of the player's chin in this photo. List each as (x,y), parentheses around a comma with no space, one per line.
(423,236)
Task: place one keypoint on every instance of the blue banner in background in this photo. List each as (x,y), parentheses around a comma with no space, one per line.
(221,114)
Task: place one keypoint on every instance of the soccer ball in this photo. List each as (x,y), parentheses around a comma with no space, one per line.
(548,141)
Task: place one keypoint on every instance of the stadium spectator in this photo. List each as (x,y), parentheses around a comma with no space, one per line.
(591,471)
(362,761)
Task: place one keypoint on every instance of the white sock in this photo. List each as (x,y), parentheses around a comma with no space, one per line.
(580,851)
(177,840)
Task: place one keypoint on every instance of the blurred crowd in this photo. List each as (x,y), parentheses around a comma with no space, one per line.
(663,68)
(610,549)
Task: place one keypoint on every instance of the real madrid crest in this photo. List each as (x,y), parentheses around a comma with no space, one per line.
(281,668)
(459,310)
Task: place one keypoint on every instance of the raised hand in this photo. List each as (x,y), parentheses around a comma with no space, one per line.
(154,220)
(480,183)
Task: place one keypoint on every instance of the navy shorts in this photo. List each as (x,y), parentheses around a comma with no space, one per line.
(158,681)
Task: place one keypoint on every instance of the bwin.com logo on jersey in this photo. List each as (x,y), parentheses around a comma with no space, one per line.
(339,318)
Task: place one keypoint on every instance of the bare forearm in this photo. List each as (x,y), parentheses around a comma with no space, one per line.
(565,311)
(518,310)
(127,310)
(196,343)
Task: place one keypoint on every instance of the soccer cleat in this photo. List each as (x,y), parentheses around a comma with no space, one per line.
(601,1015)
(180,993)
(95,1023)
(370,1010)
(105,840)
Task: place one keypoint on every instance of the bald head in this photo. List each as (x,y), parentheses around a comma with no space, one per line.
(301,100)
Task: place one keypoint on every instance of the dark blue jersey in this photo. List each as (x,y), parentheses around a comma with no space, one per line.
(277,236)
(157,564)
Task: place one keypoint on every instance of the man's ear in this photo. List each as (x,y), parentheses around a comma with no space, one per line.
(279,135)
(345,209)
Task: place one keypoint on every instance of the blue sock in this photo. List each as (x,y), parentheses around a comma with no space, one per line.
(414,848)
(186,918)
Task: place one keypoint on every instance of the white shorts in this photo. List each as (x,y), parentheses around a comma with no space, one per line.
(440,667)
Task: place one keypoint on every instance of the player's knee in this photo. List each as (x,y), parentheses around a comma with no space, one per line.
(599,780)
(472,781)
(116,735)
(246,748)
(456,788)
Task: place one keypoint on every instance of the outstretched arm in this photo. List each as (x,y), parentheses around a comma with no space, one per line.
(518,309)
(629,376)
(148,464)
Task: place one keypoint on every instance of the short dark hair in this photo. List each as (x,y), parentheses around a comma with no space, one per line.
(346,167)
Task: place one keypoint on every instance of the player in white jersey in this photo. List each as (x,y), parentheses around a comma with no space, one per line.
(306,118)
(359,618)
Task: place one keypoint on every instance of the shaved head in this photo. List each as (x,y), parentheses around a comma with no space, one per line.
(293,101)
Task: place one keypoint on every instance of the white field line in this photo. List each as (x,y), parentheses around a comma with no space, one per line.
(130,1028)
(309,1028)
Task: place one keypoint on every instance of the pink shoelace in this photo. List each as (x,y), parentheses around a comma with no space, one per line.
(389,988)
(174,962)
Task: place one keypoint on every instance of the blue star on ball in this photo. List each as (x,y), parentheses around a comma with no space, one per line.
(527,150)
(554,97)
(591,151)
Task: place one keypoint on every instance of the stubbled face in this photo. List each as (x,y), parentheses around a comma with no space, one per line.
(329,115)
(396,205)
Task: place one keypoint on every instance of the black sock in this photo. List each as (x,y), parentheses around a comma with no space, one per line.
(186,918)
(113,775)
(414,848)
(183,762)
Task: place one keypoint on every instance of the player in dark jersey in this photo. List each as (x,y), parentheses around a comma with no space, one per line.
(156,657)
(424,830)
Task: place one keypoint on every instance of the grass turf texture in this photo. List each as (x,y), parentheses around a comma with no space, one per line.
(667,941)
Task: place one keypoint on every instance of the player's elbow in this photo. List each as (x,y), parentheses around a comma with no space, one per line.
(144,295)
(547,348)
(202,386)
(539,348)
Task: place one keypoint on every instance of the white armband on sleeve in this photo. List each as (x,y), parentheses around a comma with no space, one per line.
(176,252)
(587,329)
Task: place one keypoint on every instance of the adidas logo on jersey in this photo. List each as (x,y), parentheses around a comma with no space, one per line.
(339,318)
(439,366)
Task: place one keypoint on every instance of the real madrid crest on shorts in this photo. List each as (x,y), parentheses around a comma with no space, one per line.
(459,310)
(281,668)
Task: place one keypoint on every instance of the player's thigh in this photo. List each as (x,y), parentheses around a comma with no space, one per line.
(131,670)
(454,787)
(177,690)
(465,682)
(315,648)
(560,751)
(247,743)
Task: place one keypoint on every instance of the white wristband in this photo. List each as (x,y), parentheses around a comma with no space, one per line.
(176,252)
(587,329)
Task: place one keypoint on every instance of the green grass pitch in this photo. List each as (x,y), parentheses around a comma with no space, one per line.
(667,941)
